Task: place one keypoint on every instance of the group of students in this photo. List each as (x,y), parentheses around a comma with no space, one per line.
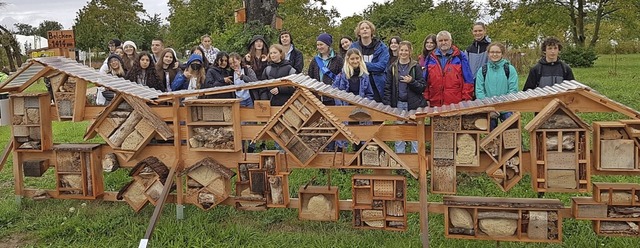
(442,74)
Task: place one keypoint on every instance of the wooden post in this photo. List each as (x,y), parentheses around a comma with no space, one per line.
(178,157)
(422,178)
(80,100)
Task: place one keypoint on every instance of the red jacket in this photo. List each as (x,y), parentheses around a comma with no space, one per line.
(452,84)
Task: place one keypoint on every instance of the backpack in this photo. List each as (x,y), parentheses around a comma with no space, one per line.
(538,69)
(506,70)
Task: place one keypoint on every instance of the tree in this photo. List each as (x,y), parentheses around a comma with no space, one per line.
(192,19)
(102,20)
(396,18)
(457,17)
(46,26)
(306,19)
(24,29)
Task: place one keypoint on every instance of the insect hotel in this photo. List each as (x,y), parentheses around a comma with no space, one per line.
(192,150)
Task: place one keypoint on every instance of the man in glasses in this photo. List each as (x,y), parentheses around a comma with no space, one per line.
(449,78)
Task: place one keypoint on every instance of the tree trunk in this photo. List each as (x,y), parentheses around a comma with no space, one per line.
(263,11)
(12,65)
(580,23)
(599,15)
(574,20)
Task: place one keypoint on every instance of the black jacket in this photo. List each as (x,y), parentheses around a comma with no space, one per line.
(414,89)
(278,70)
(548,73)
(215,78)
(296,59)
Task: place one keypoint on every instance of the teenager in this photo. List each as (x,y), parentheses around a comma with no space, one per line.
(404,87)
(498,77)
(193,76)
(345,44)
(157,45)
(428,46)
(199,51)
(112,45)
(375,54)
(257,60)
(219,75)
(115,67)
(130,54)
(165,68)
(326,65)
(394,43)
(477,51)
(550,69)
(278,67)
(144,73)
(292,54)
(209,50)
(240,76)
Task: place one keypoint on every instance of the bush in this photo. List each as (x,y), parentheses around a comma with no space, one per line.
(579,56)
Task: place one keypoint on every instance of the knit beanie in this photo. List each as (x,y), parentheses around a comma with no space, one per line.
(325,38)
(130,43)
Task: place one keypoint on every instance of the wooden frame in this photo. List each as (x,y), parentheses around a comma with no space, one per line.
(380,204)
(31,121)
(78,171)
(613,143)
(330,194)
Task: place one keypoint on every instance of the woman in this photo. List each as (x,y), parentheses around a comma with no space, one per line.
(115,68)
(193,77)
(219,75)
(130,54)
(326,65)
(428,46)
(345,44)
(166,68)
(210,52)
(278,67)
(199,51)
(404,87)
(257,60)
(497,77)
(144,73)
(241,75)
(354,79)
(394,42)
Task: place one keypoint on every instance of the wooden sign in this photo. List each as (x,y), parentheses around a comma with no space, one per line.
(61,39)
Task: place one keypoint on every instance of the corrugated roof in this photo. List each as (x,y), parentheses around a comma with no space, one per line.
(558,89)
(74,69)
(21,76)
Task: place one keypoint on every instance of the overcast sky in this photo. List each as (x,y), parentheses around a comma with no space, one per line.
(33,12)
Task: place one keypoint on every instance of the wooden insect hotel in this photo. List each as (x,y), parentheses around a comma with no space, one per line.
(186,151)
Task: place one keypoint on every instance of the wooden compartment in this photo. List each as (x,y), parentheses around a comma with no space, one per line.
(616,228)
(585,208)
(443,176)
(35,168)
(78,171)
(318,203)
(243,170)
(278,191)
(273,162)
(208,183)
(214,125)
(246,200)
(379,202)
(31,123)
(624,194)
(503,219)
(615,150)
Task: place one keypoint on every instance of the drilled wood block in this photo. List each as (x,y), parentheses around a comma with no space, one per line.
(537,228)
(292,118)
(132,141)
(145,128)
(363,196)
(563,179)
(18,105)
(31,102)
(561,160)
(383,188)
(443,140)
(107,127)
(446,123)
(370,158)
(443,175)
(617,154)
(444,153)
(65,108)
(212,114)
(511,138)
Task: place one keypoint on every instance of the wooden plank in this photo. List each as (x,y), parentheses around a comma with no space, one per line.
(80,100)
(33,79)
(5,154)
(161,127)
(160,204)
(422,178)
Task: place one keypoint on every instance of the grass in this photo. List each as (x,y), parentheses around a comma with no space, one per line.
(72,223)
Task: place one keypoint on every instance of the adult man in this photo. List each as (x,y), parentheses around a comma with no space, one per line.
(209,50)
(477,51)
(156,47)
(113,44)
(449,78)
(550,69)
(376,56)
(293,55)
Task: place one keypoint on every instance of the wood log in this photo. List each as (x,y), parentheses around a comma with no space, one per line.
(125,129)
(460,230)
(497,215)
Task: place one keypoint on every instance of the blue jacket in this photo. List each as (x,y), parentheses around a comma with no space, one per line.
(181,82)
(378,65)
(342,83)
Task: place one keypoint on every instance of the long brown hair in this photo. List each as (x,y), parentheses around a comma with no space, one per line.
(160,71)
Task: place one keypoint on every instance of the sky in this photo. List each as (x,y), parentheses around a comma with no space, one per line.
(33,12)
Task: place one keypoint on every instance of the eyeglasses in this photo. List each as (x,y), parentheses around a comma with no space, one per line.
(494,52)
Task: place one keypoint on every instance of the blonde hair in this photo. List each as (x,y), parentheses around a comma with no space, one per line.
(278,47)
(357,30)
(348,70)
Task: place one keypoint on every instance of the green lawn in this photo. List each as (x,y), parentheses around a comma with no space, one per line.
(72,223)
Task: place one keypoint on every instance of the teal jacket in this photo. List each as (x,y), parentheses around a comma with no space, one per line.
(496,83)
